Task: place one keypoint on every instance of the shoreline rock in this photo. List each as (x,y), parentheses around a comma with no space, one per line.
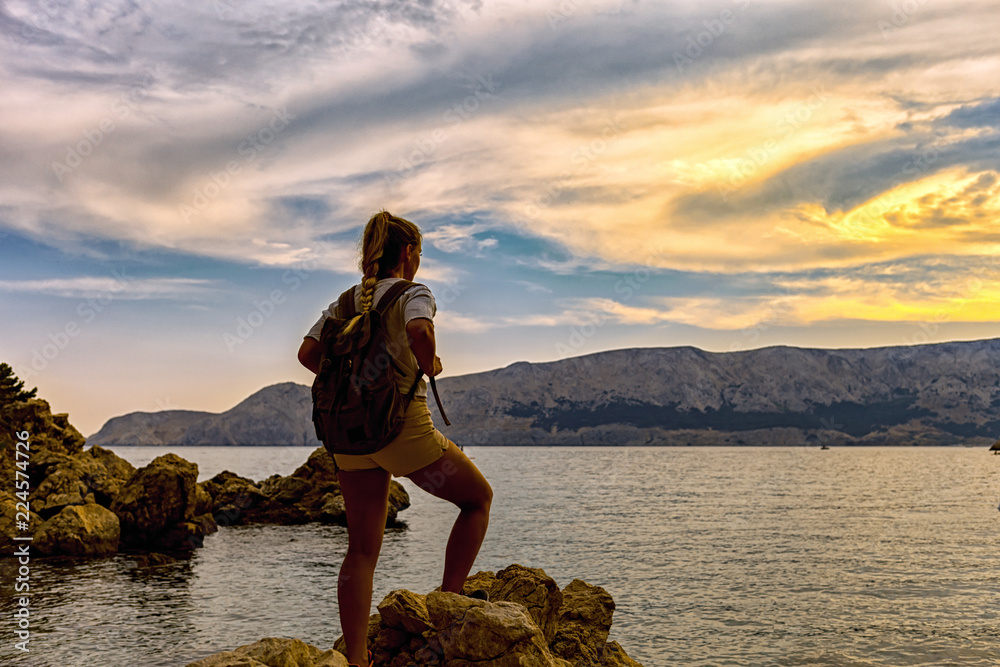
(528,621)
(93,503)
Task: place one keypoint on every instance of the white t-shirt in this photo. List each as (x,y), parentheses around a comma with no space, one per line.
(415,302)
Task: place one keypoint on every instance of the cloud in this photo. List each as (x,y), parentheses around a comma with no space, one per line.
(984,114)
(533,287)
(119,285)
(454,238)
(589,132)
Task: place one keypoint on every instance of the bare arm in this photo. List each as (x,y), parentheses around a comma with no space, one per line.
(421,336)
(309,353)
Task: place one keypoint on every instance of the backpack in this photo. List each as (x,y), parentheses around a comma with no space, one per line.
(357,407)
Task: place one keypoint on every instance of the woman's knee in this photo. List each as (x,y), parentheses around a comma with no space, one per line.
(362,553)
(481,499)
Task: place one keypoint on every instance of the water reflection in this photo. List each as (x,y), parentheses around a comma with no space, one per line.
(714,556)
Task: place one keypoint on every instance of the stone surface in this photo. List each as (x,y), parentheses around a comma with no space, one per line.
(311,493)
(79,530)
(65,486)
(535,590)
(117,472)
(274,652)
(333,510)
(583,624)
(203,499)
(159,496)
(481,580)
(90,476)
(48,432)
(232,496)
(406,611)
(615,656)
(456,630)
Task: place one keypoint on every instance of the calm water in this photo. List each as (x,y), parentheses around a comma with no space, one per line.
(714,556)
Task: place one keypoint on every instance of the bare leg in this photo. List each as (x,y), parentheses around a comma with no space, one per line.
(455,478)
(366,499)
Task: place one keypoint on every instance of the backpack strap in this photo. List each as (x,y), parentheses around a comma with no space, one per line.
(392,295)
(346,304)
(389,298)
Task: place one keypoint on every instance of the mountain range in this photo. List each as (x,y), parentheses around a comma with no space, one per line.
(936,394)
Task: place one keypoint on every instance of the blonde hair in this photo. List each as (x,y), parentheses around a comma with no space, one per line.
(384,238)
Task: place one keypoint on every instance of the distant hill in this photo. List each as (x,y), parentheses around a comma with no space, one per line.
(277,415)
(947,393)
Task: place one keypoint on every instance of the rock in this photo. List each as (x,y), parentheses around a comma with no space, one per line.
(70,480)
(448,629)
(404,610)
(333,510)
(310,493)
(533,589)
(159,496)
(232,496)
(43,463)
(583,624)
(118,472)
(319,471)
(9,523)
(284,502)
(375,630)
(614,656)
(285,490)
(79,530)
(399,500)
(274,652)
(485,581)
(48,432)
(203,499)
(187,535)
(490,634)
(65,486)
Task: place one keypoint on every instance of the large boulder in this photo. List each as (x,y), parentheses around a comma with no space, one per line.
(65,486)
(231,497)
(452,629)
(47,431)
(274,652)
(490,634)
(43,463)
(155,500)
(447,629)
(320,471)
(117,472)
(584,623)
(93,476)
(535,590)
(79,530)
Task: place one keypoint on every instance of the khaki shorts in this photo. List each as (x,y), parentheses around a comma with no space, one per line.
(417,445)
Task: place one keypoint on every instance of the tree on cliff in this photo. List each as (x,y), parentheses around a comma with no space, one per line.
(12,389)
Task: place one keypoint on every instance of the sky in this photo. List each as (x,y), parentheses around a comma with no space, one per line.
(183,186)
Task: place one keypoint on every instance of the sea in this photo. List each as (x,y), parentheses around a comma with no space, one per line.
(714,556)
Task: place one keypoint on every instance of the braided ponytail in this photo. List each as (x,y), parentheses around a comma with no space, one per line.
(384,238)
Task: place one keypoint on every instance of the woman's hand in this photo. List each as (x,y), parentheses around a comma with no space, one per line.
(437,365)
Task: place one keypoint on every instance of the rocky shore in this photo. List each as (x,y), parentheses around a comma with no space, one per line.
(92,502)
(528,621)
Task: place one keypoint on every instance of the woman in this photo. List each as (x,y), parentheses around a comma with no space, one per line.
(390,252)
